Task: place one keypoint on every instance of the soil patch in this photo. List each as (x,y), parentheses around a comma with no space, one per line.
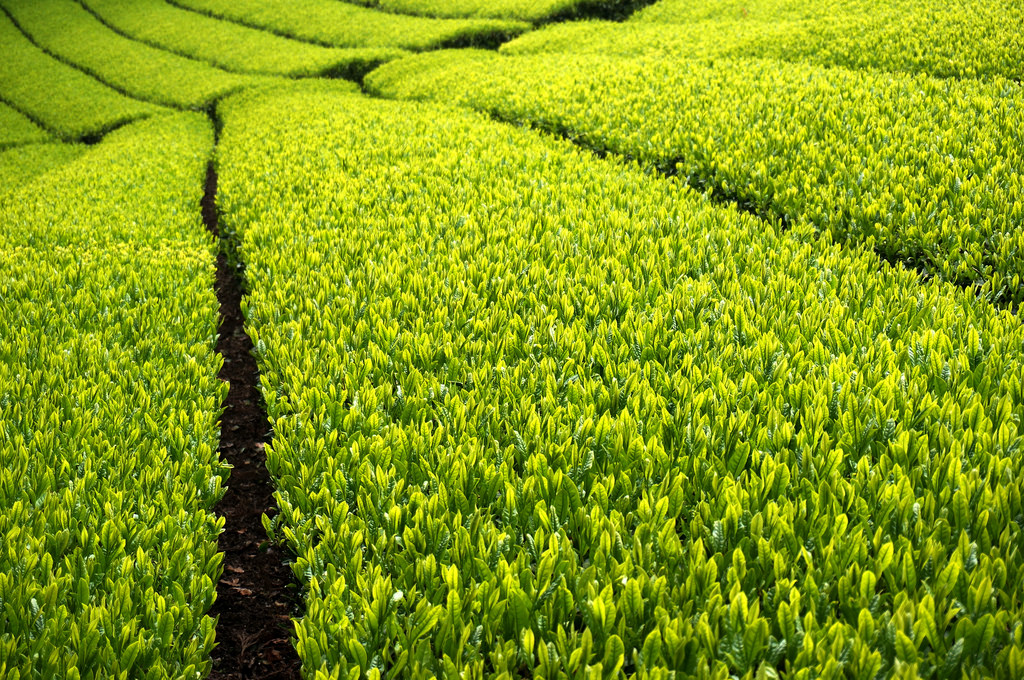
(256,596)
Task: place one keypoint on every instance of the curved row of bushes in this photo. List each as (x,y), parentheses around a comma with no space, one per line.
(967,39)
(64,100)
(926,171)
(539,414)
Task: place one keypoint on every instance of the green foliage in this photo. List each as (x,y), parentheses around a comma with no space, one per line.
(17,129)
(537,414)
(533,11)
(64,100)
(968,39)
(24,163)
(109,401)
(230,46)
(342,24)
(926,171)
(67,30)
(697,39)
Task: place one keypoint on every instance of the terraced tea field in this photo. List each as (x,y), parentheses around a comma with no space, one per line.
(554,338)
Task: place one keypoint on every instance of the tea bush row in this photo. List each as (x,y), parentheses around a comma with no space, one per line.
(925,170)
(537,414)
(109,407)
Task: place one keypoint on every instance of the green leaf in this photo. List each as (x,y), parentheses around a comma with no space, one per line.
(130,653)
(519,612)
(614,656)
(951,665)
(310,653)
(906,651)
(164,629)
(633,601)
(651,653)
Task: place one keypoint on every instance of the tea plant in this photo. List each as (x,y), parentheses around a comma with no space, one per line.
(341,24)
(64,100)
(926,171)
(230,46)
(66,29)
(109,401)
(540,414)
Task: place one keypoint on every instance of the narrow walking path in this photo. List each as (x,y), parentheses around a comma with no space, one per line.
(254,601)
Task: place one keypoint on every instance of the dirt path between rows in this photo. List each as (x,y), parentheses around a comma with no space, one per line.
(255,597)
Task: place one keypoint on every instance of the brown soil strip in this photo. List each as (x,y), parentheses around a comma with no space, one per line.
(255,597)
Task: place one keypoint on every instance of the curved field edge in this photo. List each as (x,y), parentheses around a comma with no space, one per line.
(923,170)
(340,24)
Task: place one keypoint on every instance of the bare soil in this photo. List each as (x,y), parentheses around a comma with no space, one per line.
(256,596)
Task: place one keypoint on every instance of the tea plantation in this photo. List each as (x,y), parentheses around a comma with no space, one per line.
(590,339)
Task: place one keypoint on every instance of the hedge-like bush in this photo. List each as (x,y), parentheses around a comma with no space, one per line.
(109,402)
(22,164)
(63,99)
(537,414)
(66,29)
(342,24)
(229,45)
(925,170)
